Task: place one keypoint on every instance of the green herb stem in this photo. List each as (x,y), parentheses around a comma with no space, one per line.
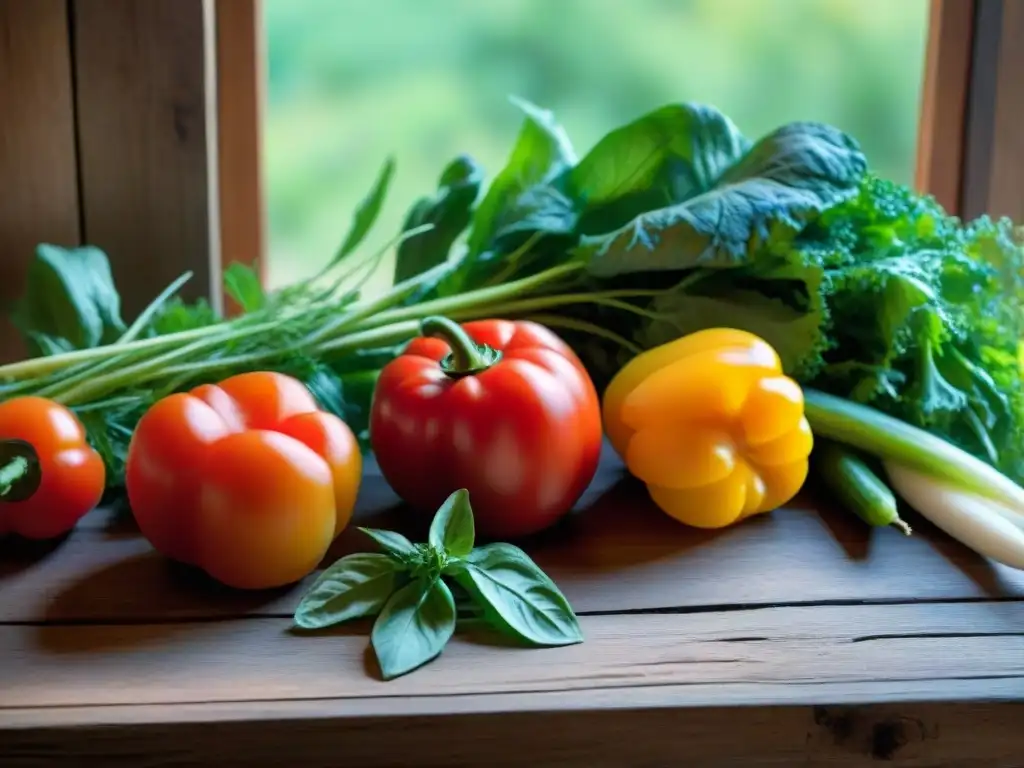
(572,324)
(144,370)
(478,298)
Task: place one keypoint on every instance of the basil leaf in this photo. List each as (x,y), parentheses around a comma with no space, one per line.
(243,285)
(366,213)
(413,627)
(517,596)
(355,586)
(541,153)
(70,301)
(395,545)
(452,530)
(448,210)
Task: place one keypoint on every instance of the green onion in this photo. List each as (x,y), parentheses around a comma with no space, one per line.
(891,439)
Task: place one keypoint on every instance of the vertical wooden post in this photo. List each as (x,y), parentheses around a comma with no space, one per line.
(994,182)
(146,143)
(37,145)
(241,79)
(941,133)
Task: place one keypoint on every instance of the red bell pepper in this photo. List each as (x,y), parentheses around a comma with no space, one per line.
(503,409)
(246,479)
(49,475)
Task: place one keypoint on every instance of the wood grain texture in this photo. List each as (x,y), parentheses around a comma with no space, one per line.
(704,677)
(617,552)
(919,735)
(37,145)
(241,81)
(250,660)
(145,158)
(941,128)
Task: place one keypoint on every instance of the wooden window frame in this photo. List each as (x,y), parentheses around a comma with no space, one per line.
(140,130)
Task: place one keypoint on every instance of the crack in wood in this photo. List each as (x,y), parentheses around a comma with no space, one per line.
(156,620)
(931,635)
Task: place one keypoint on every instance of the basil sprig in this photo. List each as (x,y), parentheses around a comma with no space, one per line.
(408,587)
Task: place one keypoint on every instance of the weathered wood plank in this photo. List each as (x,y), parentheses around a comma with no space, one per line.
(37,145)
(263,660)
(920,735)
(146,146)
(616,553)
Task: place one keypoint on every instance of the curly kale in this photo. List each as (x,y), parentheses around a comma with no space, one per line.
(924,316)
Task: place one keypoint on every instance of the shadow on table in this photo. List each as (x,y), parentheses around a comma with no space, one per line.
(18,554)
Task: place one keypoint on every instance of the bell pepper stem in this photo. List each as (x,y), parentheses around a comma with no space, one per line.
(467,357)
(11,472)
(20,473)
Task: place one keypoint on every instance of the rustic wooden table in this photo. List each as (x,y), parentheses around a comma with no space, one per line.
(800,638)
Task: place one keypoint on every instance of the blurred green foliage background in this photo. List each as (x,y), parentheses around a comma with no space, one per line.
(352,81)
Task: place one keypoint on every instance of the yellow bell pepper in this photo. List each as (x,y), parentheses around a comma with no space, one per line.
(712,426)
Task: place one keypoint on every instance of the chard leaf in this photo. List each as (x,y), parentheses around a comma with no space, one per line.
(448,210)
(790,174)
(70,301)
(666,157)
(541,153)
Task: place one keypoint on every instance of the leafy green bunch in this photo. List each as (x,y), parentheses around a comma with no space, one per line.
(924,317)
(409,589)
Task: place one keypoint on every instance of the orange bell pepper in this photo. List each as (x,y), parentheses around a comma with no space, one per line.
(247,479)
(712,426)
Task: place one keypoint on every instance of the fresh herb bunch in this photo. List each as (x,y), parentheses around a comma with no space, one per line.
(669,224)
(407,587)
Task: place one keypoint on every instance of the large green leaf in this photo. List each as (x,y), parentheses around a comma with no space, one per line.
(785,178)
(70,301)
(665,157)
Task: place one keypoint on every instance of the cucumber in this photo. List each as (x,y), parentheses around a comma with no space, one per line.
(858,489)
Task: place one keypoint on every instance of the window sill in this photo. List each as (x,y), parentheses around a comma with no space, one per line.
(852,644)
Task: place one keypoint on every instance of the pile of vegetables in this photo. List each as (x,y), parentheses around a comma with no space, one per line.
(736,302)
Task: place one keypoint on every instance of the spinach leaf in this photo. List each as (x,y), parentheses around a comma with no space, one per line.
(414,626)
(243,285)
(70,301)
(452,530)
(772,191)
(665,157)
(355,586)
(540,154)
(448,210)
(517,596)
